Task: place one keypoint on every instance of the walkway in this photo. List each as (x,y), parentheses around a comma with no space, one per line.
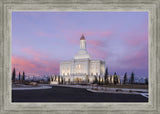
(143,92)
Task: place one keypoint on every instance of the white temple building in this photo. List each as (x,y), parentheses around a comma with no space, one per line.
(82,68)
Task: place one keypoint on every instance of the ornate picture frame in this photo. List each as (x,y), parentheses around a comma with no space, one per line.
(151,6)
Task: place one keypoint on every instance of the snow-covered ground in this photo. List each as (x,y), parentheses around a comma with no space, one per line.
(30,87)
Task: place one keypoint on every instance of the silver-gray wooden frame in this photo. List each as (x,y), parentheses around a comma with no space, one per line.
(151,6)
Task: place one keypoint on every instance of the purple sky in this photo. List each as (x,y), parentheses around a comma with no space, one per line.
(40,40)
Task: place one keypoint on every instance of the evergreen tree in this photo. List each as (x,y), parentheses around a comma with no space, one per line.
(115,78)
(23,77)
(106,76)
(19,76)
(99,81)
(125,78)
(132,78)
(111,79)
(55,77)
(48,79)
(62,80)
(58,79)
(102,82)
(87,78)
(51,78)
(95,80)
(146,81)
(69,81)
(14,75)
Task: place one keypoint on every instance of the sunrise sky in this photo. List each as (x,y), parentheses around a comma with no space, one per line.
(40,40)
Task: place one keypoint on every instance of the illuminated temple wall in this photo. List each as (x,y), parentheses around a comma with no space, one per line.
(82,67)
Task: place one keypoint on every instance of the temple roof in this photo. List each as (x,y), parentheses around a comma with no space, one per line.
(82,37)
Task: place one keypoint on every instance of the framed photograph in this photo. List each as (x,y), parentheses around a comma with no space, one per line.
(80,56)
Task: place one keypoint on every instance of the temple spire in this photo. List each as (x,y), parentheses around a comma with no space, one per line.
(82,42)
(82,37)
(82,53)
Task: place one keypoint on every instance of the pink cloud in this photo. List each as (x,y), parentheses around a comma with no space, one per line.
(137,37)
(43,34)
(38,66)
(23,64)
(138,59)
(46,35)
(30,51)
(97,53)
(74,37)
(135,40)
(95,43)
(132,62)
(38,60)
(73,40)
(106,33)
(100,34)
(39,63)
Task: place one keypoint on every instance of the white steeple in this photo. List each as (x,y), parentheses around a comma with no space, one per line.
(82,42)
(82,53)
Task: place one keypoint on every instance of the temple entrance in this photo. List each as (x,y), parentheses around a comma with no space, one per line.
(77,80)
